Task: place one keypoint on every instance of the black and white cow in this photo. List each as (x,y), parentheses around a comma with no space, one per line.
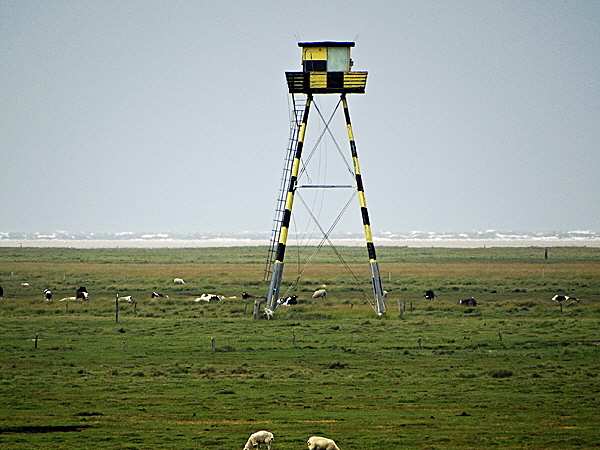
(157,295)
(562,298)
(245,296)
(468,302)
(47,294)
(287,301)
(82,293)
(429,294)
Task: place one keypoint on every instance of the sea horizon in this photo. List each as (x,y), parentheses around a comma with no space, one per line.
(129,239)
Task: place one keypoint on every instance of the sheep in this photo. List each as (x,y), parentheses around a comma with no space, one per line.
(260,437)
(320,293)
(47,294)
(321,443)
(178,281)
(67,299)
(129,299)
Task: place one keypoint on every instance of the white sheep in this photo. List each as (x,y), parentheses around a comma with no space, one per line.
(178,281)
(260,437)
(320,293)
(321,443)
(128,299)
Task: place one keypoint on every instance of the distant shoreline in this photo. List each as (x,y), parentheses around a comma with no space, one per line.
(231,242)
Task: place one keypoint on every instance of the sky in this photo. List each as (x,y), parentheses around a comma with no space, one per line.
(164,116)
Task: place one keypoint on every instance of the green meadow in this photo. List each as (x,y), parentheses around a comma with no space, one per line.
(518,371)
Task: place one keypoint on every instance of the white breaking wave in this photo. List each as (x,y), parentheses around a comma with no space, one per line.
(259,237)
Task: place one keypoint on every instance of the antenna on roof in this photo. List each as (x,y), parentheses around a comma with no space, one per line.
(297,36)
(356,37)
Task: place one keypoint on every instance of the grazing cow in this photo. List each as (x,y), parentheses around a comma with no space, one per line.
(574,301)
(245,295)
(321,293)
(321,443)
(157,295)
(209,298)
(178,281)
(47,294)
(468,302)
(128,299)
(82,295)
(562,298)
(429,294)
(287,301)
(258,438)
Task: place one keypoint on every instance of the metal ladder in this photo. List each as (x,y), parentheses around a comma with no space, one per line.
(296,117)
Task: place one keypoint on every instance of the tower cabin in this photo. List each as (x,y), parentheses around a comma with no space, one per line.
(326,69)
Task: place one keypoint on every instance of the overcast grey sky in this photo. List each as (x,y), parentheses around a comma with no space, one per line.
(173,116)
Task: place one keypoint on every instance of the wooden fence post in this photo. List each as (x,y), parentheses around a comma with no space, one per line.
(256,309)
(117,309)
(401,309)
(36,339)
(214,345)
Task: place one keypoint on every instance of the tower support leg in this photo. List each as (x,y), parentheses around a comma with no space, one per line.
(273,293)
(375,275)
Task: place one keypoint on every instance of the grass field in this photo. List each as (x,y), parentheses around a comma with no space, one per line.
(516,372)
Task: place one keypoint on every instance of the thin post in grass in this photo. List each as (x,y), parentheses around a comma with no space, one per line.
(37,335)
(294,339)
(500,335)
(213,343)
(67,307)
(256,309)
(117,309)
(420,346)
(401,309)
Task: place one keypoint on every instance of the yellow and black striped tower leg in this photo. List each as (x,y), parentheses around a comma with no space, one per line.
(285,224)
(375,274)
